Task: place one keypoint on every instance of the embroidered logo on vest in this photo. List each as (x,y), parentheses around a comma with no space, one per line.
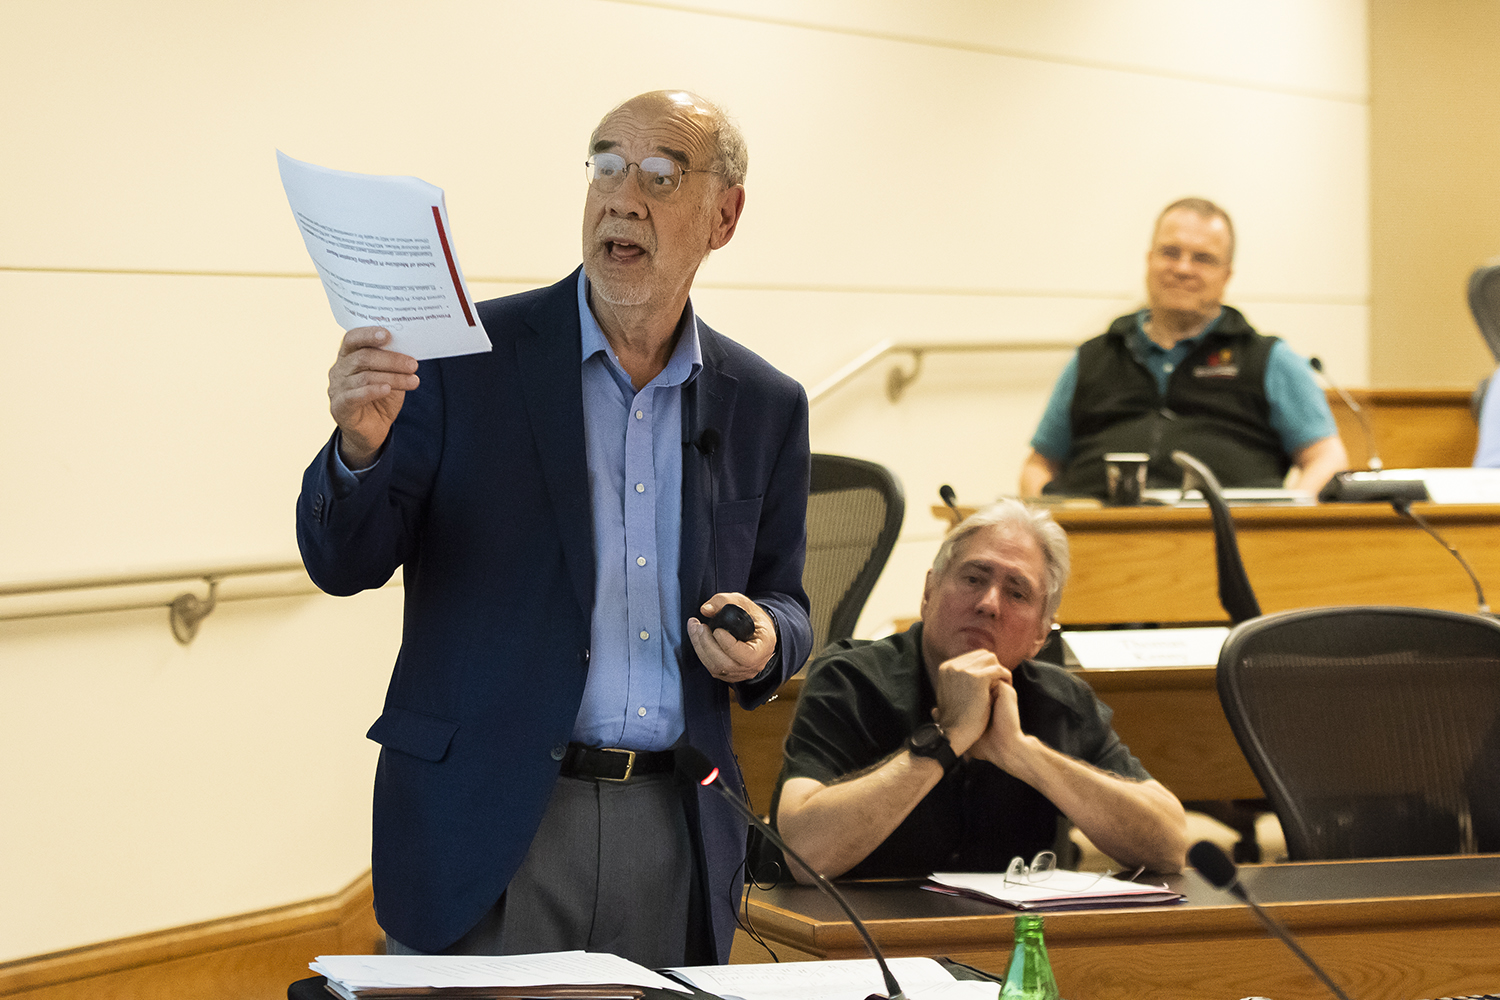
(1220,364)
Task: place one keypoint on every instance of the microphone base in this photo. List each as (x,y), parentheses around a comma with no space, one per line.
(1344,488)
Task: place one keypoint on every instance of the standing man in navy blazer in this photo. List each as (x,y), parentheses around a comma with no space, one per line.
(565,508)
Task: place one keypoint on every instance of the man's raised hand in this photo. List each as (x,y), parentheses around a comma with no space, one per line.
(366,387)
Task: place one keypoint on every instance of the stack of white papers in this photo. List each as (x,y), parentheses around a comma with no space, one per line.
(920,979)
(354,976)
(382,247)
(1061,890)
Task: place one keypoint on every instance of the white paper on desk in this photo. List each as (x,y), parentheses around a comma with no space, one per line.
(1058,891)
(1107,649)
(581,967)
(850,979)
(1454,485)
(384,249)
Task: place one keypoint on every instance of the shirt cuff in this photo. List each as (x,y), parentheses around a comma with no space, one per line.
(346,480)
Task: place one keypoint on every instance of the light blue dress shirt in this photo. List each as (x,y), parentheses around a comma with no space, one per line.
(634,443)
(1299,409)
(633,697)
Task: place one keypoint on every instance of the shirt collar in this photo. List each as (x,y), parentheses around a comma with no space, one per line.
(682,367)
(1144,344)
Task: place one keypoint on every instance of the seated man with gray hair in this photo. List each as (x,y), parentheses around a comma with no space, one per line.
(947,748)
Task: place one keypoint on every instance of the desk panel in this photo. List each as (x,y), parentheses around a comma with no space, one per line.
(1385,930)
(1156,564)
(1414,428)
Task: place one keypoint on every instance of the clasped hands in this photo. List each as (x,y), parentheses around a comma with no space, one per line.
(978,710)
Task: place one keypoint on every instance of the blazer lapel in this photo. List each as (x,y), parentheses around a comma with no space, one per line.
(708,404)
(549,355)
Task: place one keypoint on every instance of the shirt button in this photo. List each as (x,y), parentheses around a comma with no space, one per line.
(1168,367)
(641,711)
(640,560)
(640,487)
(645,634)
(639,414)
(558,751)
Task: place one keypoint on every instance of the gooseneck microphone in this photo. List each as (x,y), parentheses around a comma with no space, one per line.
(951,499)
(1359,415)
(1221,873)
(691,763)
(1403,507)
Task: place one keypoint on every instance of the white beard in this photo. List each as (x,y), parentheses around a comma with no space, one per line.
(623,292)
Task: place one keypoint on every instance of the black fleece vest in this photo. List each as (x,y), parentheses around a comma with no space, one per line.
(1215,409)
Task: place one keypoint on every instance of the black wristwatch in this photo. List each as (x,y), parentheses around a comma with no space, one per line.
(930,741)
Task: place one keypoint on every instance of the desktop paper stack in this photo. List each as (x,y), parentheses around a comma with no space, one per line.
(1060,890)
(582,975)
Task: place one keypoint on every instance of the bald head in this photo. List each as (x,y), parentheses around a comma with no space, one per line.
(720,136)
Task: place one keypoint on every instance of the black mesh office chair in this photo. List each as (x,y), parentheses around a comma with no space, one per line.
(1375,731)
(854,512)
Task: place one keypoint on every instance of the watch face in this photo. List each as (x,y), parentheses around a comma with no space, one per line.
(927,738)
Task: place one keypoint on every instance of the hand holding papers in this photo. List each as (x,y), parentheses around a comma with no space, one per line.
(382,248)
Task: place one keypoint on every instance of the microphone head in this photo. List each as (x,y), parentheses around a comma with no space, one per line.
(1317,364)
(708,441)
(949,497)
(1213,864)
(693,764)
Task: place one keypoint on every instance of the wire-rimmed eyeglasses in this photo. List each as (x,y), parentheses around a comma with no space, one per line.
(660,176)
(1041,868)
(1044,865)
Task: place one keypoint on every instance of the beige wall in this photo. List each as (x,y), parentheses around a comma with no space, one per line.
(1434,186)
(942,171)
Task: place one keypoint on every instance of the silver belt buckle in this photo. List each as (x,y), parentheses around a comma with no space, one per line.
(629,762)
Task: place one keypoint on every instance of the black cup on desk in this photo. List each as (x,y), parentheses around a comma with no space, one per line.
(1125,477)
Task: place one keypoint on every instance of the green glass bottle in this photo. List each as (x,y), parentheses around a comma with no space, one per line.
(1030,974)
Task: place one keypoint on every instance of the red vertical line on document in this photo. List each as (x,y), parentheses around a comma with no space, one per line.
(458,288)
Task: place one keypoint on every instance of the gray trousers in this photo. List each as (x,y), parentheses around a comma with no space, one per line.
(610,869)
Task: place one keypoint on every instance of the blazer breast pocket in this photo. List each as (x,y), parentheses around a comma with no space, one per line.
(736,523)
(425,736)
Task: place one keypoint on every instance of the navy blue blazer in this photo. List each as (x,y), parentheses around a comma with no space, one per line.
(482,497)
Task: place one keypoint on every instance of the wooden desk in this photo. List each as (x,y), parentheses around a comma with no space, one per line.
(1414,428)
(1156,564)
(1384,930)
(1170,718)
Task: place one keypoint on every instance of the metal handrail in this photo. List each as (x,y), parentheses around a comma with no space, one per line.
(137,579)
(186,610)
(898,380)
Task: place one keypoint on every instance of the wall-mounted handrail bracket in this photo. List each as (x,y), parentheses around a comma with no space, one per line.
(897,380)
(188,611)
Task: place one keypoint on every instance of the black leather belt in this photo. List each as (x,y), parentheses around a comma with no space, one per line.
(612,764)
